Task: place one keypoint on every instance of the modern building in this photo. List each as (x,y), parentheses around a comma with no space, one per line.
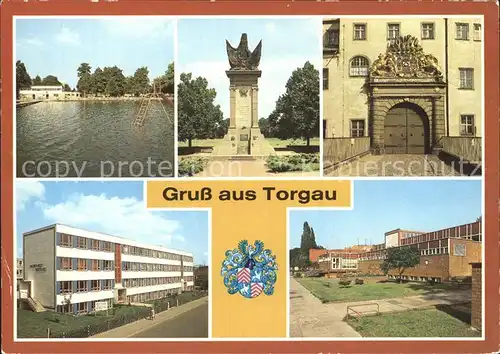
(201,277)
(47,93)
(68,269)
(444,254)
(402,84)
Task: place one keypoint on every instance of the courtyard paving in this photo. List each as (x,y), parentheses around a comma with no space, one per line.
(309,317)
(251,168)
(395,165)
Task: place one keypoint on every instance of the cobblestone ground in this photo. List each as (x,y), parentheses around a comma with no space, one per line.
(397,165)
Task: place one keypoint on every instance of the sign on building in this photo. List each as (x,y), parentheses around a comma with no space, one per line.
(459,249)
(101,306)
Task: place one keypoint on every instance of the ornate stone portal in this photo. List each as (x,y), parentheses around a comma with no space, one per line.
(244,136)
(405,76)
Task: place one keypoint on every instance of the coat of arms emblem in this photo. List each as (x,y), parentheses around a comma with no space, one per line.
(249,270)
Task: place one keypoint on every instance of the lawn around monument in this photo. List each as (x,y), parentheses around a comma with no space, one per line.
(329,290)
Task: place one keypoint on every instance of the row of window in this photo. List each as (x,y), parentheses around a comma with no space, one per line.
(427,31)
(65,240)
(83,286)
(82,264)
(146,252)
(82,307)
(342,263)
(410,234)
(154,295)
(358,130)
(148,267)
(434,251)
(359,66)
(139,282)
(415,278)
(465,232)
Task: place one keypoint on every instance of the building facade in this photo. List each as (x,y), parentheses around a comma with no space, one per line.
(47,93)
(405,84)
(69,269)
(444,254)
(19,268)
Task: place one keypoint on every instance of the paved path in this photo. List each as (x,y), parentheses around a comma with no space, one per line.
(165,319)
(190,324)
(254,168)
(311,318)
(395,165)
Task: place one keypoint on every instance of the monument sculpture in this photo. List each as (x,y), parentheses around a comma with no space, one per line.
(405,59)
(244,136)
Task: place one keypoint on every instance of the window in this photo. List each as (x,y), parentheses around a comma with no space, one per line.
(393,30)
(427,30)
(95,245)
(81,307)
(81,286)
(360,32)
(106,284)
(467,124)
(325,78)
(462,31)
(96,265)
(65,308)
(331,38)
(95,285)
(357,128)
(108,265)
(466,78)
(66,264)
(477,31)
(358,66)
(81,242)
(65,240)
(65,287)
(107,246)
(82,264)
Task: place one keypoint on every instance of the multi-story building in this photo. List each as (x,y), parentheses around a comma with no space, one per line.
(444,254)
(402,84)
(70,269)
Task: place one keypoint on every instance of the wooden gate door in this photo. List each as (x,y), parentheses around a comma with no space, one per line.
(404,132)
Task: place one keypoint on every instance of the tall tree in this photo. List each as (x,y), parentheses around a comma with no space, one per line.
(222,128)
(66,88)
(115,81)
(140,82)
(37,81)
(51,80)
(84,84)
(308,239)
(198,116)
(297,111)
(23,79)
(165,83)
(400,259)
(99,82)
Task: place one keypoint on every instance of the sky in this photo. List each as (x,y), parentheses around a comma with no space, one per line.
(381,206)
(58,46)
(286,45)
(114,208)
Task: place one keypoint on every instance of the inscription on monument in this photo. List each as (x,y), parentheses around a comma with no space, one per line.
(243,112)
(243,137)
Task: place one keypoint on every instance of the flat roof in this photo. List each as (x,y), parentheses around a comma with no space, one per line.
(105,237)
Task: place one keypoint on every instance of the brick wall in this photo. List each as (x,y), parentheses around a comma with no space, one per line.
(370,267)
(436,267)
(476,319)
(460,265)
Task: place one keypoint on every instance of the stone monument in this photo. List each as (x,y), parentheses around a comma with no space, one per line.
(243,136)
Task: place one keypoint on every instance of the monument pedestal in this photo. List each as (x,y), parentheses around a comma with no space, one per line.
(244,136)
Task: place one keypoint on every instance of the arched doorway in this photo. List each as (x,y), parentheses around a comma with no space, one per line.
(406,130)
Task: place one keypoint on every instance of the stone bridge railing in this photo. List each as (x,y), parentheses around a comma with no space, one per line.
(465,148)
(337,150)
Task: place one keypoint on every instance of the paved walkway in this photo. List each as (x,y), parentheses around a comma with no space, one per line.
(311,318)
(254,168)
(132,329)
(395,165)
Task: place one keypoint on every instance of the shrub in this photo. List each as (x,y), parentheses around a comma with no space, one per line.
(327,284)
(295,162)
(344,282)
(359,281)
(190,166)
